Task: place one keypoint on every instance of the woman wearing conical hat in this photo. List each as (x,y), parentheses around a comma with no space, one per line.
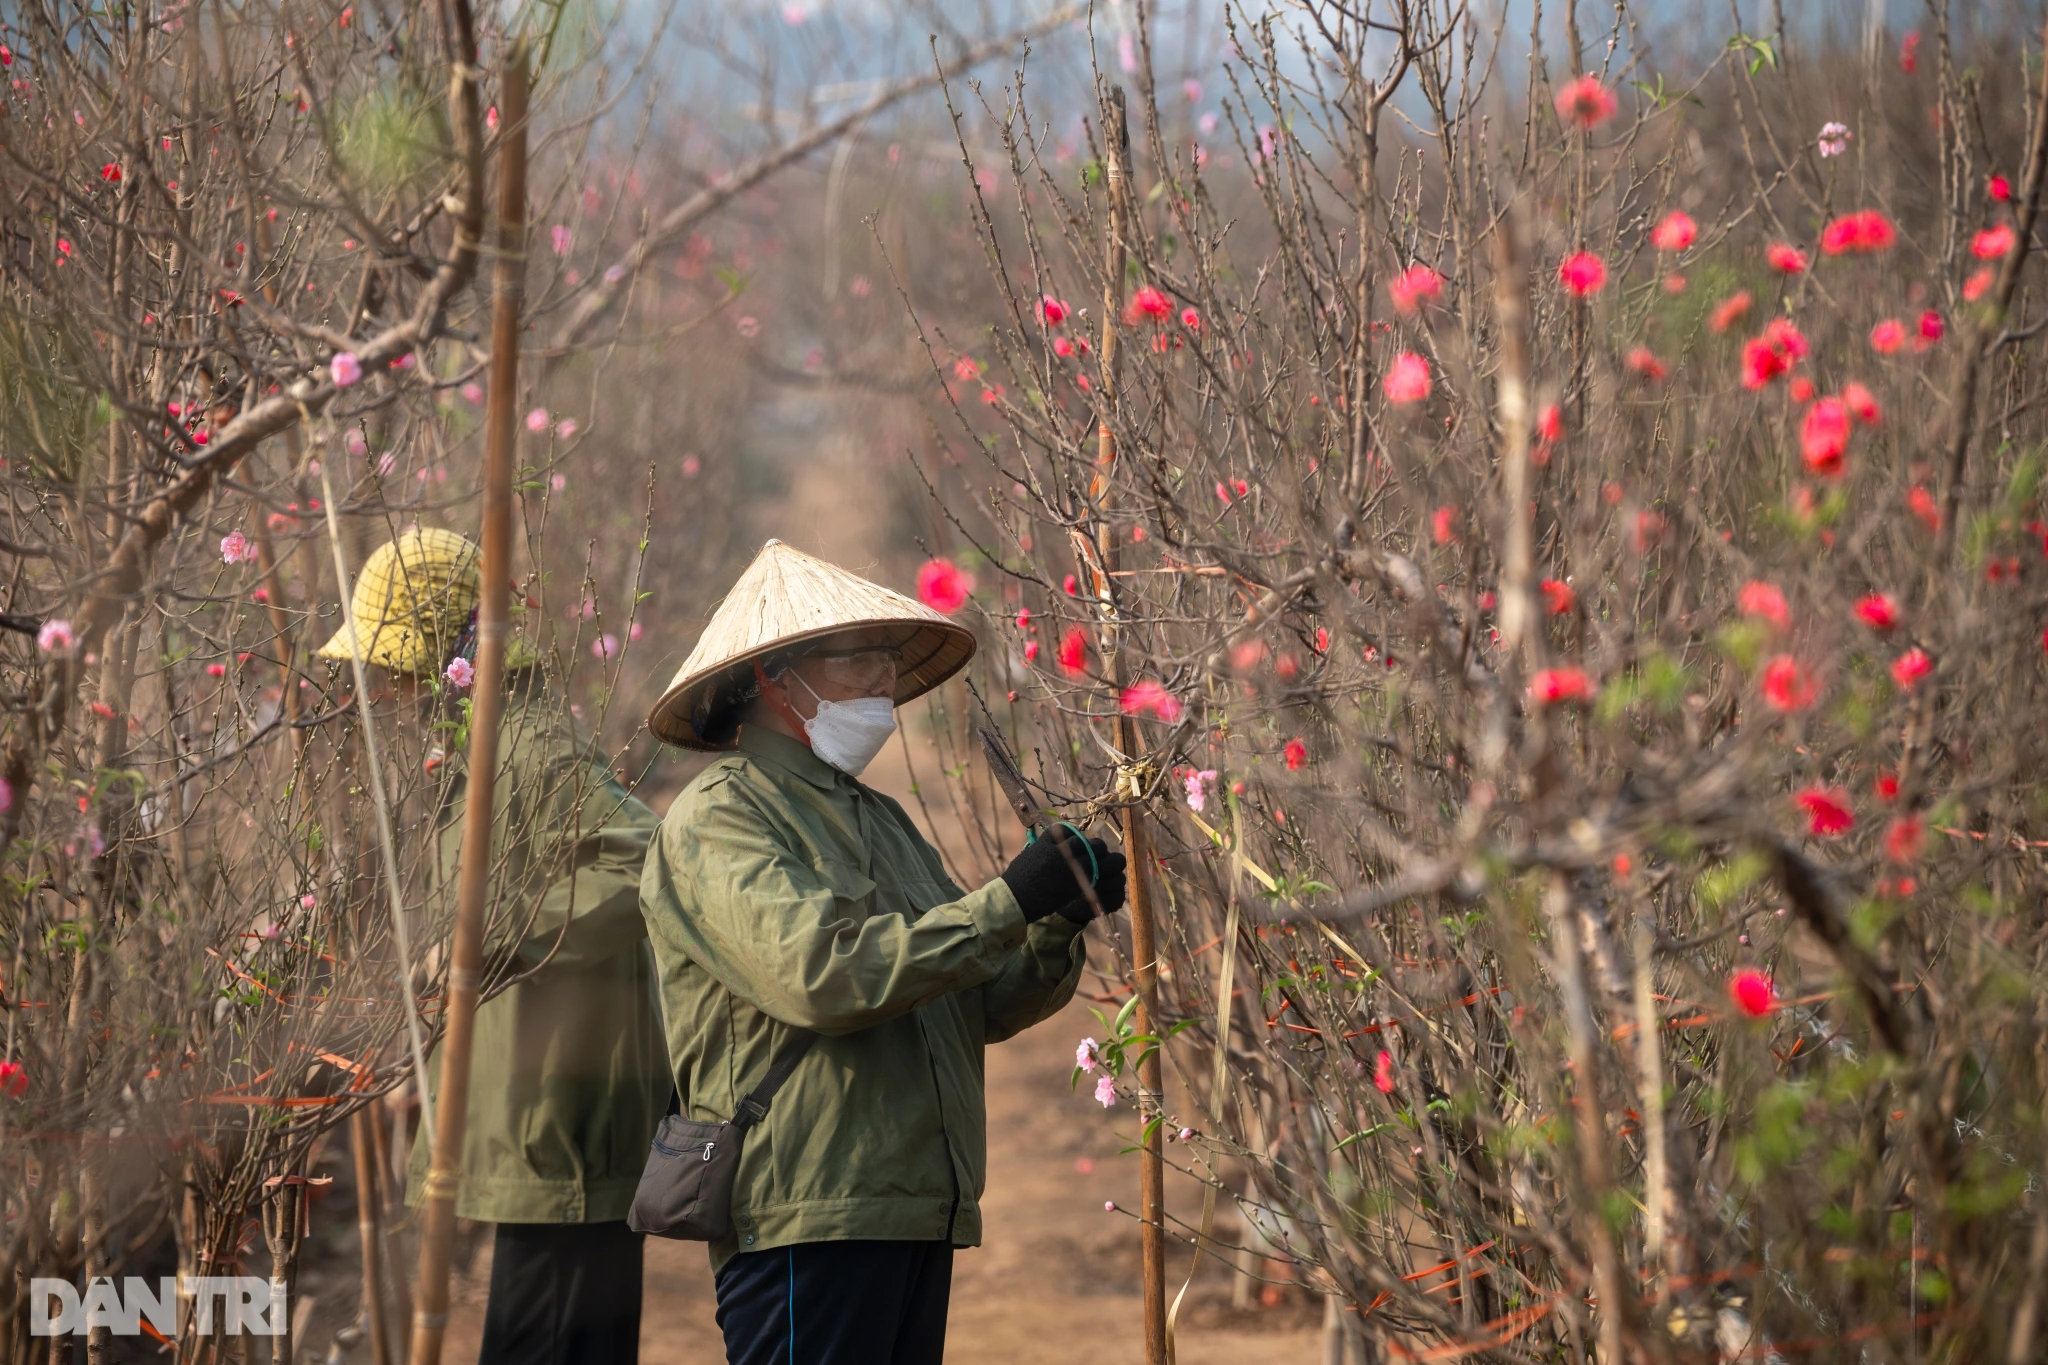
(567,1075)
(796,913)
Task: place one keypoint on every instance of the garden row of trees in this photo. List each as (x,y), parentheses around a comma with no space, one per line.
(1555,569)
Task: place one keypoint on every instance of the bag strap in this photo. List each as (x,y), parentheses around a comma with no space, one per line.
(753,1106)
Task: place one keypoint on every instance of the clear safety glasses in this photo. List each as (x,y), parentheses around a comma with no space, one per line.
(871,671)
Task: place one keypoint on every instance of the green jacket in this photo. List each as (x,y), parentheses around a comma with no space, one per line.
(784,893)
(568,1079)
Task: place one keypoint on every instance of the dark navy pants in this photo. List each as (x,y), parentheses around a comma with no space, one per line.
(837,1303)
(563,1294)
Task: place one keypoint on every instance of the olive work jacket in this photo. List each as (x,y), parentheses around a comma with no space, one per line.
(783,894)
(569,1076)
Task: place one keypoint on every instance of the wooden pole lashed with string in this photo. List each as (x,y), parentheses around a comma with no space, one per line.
(444,1173)
(1116,155)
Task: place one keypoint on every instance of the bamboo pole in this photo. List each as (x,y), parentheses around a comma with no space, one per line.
(444,1174)
(368,1212)
(1116,154)
(391,1215)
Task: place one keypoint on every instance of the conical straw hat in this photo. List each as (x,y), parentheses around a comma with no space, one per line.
(785,598)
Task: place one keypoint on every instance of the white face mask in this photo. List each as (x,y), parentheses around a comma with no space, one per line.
(848,734)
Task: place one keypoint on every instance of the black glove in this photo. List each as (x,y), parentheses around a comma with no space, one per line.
(1110,889)
(1046,875)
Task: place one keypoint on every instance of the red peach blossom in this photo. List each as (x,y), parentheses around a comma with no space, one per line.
(1787,338)
(1646,532)
(1147,302)
(1645,363)
(1407,379)
(1921,504)
(1553,685)
(1765,602)
(1909,668)
(1824,436)
(1730,310)
(1675,232)
(1412,286)
(1296,754)
(1888,336)
(1786,258)
(1878,611)
(1787,686)
(1558,598)
(1999,188)
(1993,242)
(1867,230)
(1752,992)
(1585,102)
(1582,273)
(942,586)
(1827,810)
(1761,363)
(1862,404)
(1147,695)
(1073,655)
(1902,841)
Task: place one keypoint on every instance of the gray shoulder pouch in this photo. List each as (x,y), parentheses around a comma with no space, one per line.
(686,1189)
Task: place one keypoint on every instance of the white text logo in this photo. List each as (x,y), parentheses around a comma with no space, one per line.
(248,1303)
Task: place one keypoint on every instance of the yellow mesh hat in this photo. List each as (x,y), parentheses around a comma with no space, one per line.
(413,600)
(786,597)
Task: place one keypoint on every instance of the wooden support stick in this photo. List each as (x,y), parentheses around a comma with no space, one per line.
(451,1112)
(1137,841)
(369,1210)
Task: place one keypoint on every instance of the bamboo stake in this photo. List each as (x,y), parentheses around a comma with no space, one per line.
(391,1214)
(444,1173)
(284,1227)
(368,1212)
(1137,839)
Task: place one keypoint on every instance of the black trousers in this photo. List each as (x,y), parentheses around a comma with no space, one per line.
(837,1303)
(563,1294)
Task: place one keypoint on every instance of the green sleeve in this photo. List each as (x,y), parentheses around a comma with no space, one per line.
(798,943)
(1038,979)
